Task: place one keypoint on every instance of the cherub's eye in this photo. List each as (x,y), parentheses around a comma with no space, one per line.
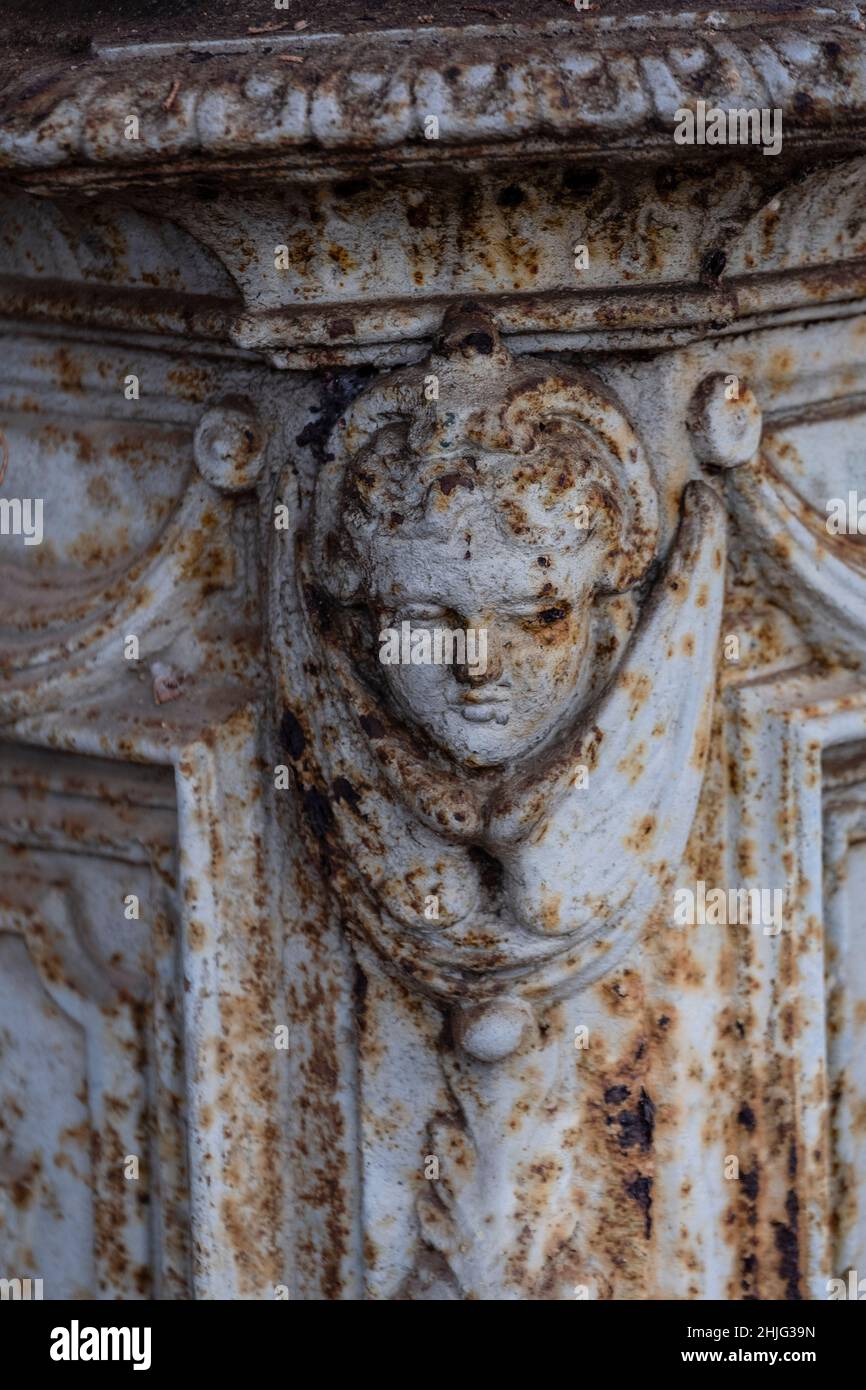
(421,612)
(541,617)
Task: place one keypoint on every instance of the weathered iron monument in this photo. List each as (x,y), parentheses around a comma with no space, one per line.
(339,960)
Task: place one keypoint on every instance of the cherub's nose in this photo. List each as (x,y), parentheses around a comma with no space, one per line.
(487,670)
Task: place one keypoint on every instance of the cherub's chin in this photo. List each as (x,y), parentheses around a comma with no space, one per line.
(480,743)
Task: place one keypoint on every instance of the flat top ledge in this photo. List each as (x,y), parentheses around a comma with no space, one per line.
(85,26)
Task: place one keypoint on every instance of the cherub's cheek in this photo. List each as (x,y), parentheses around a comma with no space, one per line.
(418,679)
(556,665)
(520,656)
(570,655)
(565,669)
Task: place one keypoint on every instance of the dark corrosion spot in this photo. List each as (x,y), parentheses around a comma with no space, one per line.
(640,1188)
(321,605)
(452,73)
(452,480)
(344,791)
(317,809)
(746,1117)
(341,328)
(615,1095)
(397,518)
(338,390)
(511,196)
(479,341)
(372,726)
(832,49)
(489,868)
(207,190)
(803,103)
(713,264)
(350,187)
(551,615)
(787,1245)
(359,994)
(544,561)
(750,1184)
(292,735)
(581,181)
(637,1125)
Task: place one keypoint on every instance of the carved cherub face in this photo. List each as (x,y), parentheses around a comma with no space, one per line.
(528,607)
(512,549)
(502,509)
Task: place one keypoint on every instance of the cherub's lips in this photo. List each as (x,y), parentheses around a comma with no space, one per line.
(480,707)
